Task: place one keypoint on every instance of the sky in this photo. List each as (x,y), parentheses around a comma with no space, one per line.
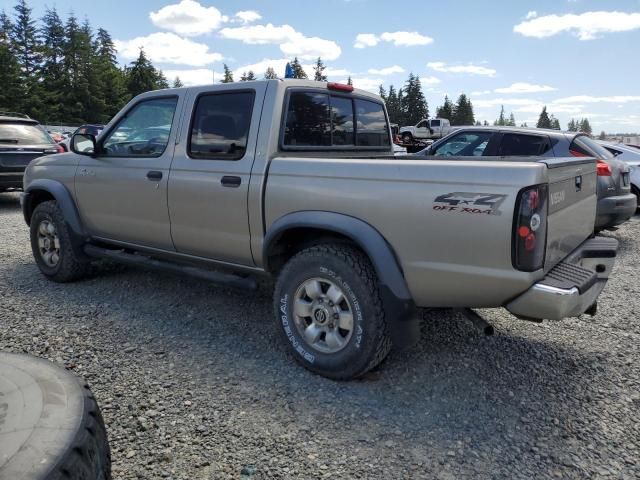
(580,58)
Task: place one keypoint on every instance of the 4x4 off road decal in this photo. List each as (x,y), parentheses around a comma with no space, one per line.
(470,202)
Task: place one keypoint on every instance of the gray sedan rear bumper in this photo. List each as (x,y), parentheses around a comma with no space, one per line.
(615,210)
(570,288)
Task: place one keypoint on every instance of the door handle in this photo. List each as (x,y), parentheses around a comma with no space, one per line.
(154,175)
(231,181)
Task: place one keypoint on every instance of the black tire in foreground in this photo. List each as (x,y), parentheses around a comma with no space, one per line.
(330,311)
(52,246)
(50,424)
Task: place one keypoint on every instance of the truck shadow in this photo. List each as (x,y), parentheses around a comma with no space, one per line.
(455,387)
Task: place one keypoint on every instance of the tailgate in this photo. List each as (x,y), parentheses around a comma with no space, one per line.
(572,205)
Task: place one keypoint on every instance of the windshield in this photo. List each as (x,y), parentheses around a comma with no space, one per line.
(23,134)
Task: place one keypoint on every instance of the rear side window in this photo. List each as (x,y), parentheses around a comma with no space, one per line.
(323,120)
(519,145)
(220,126)
(23,134)
(583,146)
(435,123)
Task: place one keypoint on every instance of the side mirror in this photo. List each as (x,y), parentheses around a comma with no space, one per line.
(83,144)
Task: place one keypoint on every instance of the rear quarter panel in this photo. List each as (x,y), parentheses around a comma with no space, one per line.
(448,222)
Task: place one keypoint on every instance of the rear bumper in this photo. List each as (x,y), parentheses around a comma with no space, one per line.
(11,179)
(615,210)
(572,286)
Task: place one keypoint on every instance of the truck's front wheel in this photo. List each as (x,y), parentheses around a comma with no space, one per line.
(329,310)
(407,137)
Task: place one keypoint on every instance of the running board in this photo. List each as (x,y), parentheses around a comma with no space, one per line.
(120,256)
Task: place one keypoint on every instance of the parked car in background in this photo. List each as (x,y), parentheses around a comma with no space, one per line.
(91,129)
(616,203)
(426,129)
(629,154)
(21,140)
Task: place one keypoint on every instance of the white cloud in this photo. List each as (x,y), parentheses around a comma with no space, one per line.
(431,80)
(585,26)
(406,39)
(481,92)
(531,14)
(247,16)
(366,40)
(261,34)
(165,47)
(591,99)
(336,72)
(188,18)
(399,39)
(309,48)
(386,71)
(190,78)
(292,42)
(259,68)
(370,84)
(492,102)
(469,68)
(523,87)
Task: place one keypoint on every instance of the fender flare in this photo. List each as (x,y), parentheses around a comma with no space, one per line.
(364,235)
(63,198)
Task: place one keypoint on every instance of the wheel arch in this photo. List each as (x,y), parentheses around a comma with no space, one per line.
(43,190)
(342,228)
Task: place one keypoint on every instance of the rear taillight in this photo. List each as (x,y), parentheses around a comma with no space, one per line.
(603,169)
(530,229)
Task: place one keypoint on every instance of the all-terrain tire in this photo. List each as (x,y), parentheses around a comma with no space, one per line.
(71,265)
(352,272)
(407,137)
(50,424)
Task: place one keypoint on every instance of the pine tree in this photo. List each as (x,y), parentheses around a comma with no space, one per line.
(382,92)
(485,124)
(602,136)
(544,121)
(270,74)
(54,75)
(393,106)
(141,75)
(501,121)
(318,69)
(349,81)
(228,75)
(11,88)
(177,83)
(251,76)
(161,80)
(585,126)
(572,126)
(298,71)
(27,50)
(413,105)
(512,120)
(555,123)
(112,79)
(446,110)
(463,111)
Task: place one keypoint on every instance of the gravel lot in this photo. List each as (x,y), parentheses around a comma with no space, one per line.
(195,384)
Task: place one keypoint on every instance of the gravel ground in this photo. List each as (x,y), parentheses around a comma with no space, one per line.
(195,384)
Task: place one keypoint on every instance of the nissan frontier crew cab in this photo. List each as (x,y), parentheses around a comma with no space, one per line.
(296,180)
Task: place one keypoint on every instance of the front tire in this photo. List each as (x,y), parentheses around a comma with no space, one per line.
(330,312)
(52,247)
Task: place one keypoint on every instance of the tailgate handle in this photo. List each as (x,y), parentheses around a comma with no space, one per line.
(578,183)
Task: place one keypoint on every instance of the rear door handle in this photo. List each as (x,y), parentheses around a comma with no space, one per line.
(154,175)
(231,181)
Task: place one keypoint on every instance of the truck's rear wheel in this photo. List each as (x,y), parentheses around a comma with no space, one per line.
(52,247)
(329,310)
(407,137)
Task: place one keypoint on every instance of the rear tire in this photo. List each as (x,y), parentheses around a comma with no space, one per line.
(338,330)
(52,247)
(407,137)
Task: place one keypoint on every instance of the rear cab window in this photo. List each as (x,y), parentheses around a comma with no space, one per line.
(319,121)
(464,144)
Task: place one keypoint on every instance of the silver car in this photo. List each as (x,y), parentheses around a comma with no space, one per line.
(631,156)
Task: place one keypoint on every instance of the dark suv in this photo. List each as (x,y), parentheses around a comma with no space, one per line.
(21,140)
(616,203)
